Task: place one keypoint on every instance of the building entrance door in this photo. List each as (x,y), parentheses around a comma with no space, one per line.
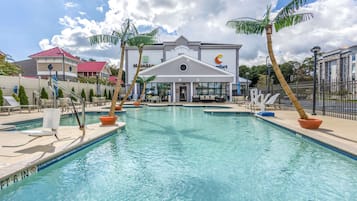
(183,93)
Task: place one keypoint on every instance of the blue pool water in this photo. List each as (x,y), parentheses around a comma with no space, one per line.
(177,153)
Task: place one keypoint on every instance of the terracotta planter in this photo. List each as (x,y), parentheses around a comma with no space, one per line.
(108,120)
(118,107)
(136,103)
(310,123)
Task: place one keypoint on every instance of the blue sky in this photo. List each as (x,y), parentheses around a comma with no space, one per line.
(34,25)
(28,22)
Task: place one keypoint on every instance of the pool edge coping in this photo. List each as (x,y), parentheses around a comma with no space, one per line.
(305,133)
(26,170)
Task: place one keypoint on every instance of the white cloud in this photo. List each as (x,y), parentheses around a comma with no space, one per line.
(99,8)
(82,13)
(45,44)
(69,4)
(333,26)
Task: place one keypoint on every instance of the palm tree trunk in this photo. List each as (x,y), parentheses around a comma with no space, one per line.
(134,79)
(142,92)
(118,84)
(279,75)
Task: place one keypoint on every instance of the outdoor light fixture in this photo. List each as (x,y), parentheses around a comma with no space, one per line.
(246,75)
(314,50)
(50,67)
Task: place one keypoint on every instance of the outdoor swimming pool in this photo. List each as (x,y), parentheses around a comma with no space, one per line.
(177,153)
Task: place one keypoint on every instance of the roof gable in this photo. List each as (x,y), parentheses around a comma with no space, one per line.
(93,66)
(54,52)
(194,67)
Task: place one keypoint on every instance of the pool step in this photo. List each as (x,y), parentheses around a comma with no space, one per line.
(7,127)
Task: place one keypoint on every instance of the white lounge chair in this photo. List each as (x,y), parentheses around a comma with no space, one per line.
(254,97)
(262,99)
(271,102)
(51,121)
(13,104)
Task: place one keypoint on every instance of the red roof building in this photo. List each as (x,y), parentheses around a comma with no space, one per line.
(54,52)
(113,80)
(52,61)
(93,68)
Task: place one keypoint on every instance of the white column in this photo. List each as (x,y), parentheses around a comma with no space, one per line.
(174,92)
(135,95)
(230,92)
(191,94)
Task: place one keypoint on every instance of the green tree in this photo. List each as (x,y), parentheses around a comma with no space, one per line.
(105,93)
(1,98)
(73,92)
(24,100)
(44,94)
(113,70)
(127,31)
(60,93)
(83,94)
(139,41)
(91,94)
(7,68)
(286,17)
(143,82)
(16,97)
(109,95)
(243,70)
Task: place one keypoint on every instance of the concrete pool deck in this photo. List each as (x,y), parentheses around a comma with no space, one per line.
(22,155)
(336,132)
(20,151)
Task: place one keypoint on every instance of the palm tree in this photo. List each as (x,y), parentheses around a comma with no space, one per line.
(139,41)
(286,17)
(127,31)
(143,81)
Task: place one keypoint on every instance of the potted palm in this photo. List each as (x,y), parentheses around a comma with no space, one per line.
(286,17)
(139,41)
(126,32)
(143,81)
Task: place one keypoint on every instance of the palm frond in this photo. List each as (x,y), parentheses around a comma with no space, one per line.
(150,79)
(103,38)
(247,25)
(143,39)
(291,8)
(140,80)
(291,20)
(143,80)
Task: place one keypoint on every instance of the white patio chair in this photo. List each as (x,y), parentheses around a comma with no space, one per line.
(271,102)
(50,123)
(13,104)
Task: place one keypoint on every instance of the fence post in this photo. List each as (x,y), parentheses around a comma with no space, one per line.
(323,97)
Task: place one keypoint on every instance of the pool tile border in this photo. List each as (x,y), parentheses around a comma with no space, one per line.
(291,132)
(35,168)
(305,137)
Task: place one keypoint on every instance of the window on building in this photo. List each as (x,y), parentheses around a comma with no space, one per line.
(353,57)
(211,88)
(145,59)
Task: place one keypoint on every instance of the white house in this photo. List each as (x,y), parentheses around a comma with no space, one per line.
(187,69)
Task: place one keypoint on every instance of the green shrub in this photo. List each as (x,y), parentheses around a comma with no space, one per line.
(91,94)
(60,93)
(109,95)
(105,94)
(16,97)
(24,100)
(83,94)
(44,94)
(1,98)
(73,92)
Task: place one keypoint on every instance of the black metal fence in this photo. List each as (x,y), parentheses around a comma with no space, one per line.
(336,99)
